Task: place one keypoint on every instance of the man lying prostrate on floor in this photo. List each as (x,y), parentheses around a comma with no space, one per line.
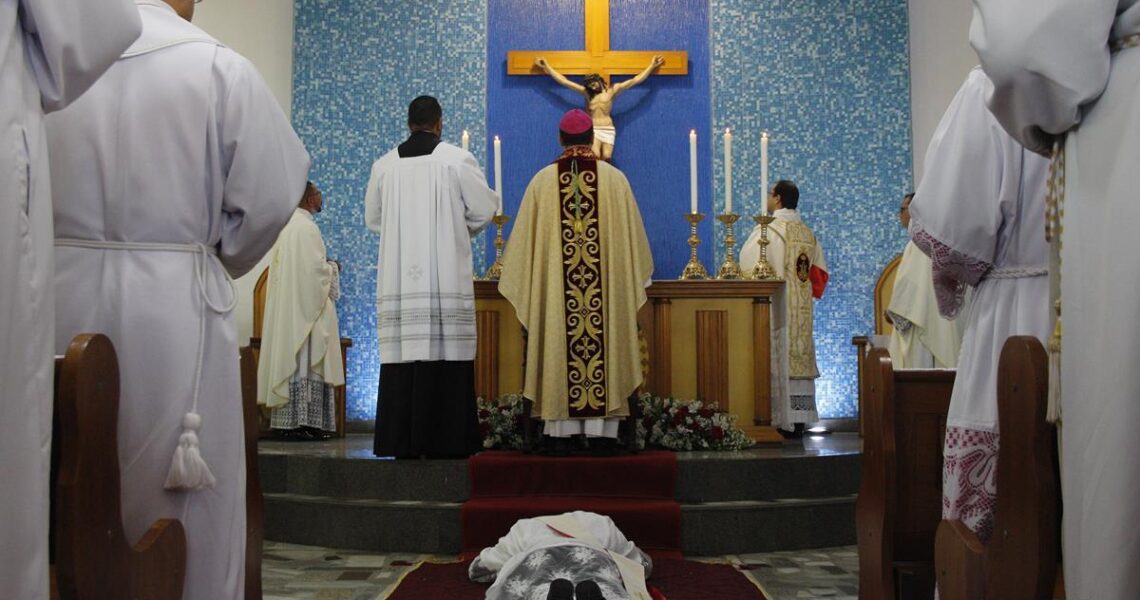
(576,555)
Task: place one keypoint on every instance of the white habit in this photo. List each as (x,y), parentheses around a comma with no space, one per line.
(1058,66)
(797,258)
(575,546)
(921,337)
(979,213)
(179,144)
(300,361)
(424,289)
(51,51)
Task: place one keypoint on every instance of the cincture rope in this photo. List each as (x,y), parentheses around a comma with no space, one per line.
(1016,272)
(188,470)
(1054,215)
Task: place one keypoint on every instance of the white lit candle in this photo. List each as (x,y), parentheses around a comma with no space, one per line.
(727,171)
(499,174)
(693,171)
(764,173)
(465,140)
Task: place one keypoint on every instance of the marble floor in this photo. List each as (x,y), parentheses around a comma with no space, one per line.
(292,572)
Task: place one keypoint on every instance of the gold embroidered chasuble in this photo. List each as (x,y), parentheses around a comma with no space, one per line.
(799,251)
(575,270)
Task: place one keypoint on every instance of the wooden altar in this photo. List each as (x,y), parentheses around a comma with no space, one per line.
(709,340)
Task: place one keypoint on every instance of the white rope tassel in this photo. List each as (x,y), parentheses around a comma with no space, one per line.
(1053,407)
(1054,216)
(187,469)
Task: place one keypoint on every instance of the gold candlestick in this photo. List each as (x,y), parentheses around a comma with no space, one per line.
(495,271)
(729,269)
(763,271)
(694,270)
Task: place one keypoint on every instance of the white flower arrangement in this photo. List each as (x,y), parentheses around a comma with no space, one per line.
(670,423)
(682,425)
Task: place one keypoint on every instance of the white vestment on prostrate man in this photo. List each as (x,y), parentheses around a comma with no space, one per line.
(979,213)
(1073,66)
(174,168)
(300,362)
(921,337)
(575,546)
(51,51)
(797,257)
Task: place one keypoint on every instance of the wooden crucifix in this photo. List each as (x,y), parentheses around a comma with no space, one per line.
(598,59)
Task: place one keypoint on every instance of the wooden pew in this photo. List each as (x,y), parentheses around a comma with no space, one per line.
(1020,562)
(900,495)
(254,500)
(93,559)
(884,288)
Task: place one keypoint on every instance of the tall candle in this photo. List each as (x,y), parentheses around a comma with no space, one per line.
(764,173)
(499,174)
(465,140)
(727,171)
(693,171)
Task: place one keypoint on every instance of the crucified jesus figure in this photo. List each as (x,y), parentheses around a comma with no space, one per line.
(600,100)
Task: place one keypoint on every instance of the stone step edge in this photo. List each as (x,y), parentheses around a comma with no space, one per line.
(681,457)
(777,503)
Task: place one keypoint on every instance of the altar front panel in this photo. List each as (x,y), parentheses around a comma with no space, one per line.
(706,340)
(710,354)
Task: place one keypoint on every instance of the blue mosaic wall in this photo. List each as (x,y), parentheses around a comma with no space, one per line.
(356,66)
(829,80)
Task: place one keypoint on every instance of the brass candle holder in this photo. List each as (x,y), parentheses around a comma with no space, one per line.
(729,269)
(763,271)
(694,270)
(495,271)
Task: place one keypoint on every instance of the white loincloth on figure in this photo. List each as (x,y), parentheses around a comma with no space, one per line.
(605,134)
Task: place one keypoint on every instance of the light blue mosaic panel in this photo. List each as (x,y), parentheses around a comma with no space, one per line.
(829,80)
(357,64)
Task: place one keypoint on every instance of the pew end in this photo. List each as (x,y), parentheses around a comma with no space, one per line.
(899,505)
(92,556)
(1020,562)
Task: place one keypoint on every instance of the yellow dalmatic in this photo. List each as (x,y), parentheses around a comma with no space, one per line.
(799,250)
(575,270)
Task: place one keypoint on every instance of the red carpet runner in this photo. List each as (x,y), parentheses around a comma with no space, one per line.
(636,491)
(675,579)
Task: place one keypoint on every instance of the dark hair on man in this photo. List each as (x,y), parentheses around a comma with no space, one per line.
(586,138)
(310,191)
(593,78)
(788,192)
(424,112)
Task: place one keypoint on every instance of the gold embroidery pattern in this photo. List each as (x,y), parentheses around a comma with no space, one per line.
(582,277)
(799,246)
